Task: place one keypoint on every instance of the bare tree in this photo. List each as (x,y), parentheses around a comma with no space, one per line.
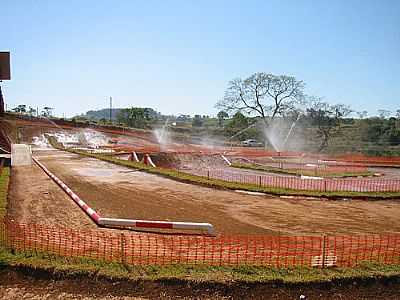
(265,95)
(327,119)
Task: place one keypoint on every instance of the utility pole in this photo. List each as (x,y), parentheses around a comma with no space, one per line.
(110,108)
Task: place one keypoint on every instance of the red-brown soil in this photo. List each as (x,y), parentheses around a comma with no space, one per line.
(16,285)
(115,191)
(35,198)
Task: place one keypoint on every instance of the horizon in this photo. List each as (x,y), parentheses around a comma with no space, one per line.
(178,58)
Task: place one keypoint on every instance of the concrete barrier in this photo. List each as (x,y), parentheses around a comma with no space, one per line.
(21,155)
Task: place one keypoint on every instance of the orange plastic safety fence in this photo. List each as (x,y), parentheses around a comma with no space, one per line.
(308,184)
(379,160)
(156,249)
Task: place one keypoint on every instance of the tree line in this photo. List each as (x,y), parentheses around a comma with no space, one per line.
(266,97)
(255,103)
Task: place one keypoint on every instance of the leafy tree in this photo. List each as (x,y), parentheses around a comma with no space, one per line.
(20,109)
(384,113)
(362,114)
(197,121)
(262,94)
(393,136)
(240,127)
(183,118)
(47,111)
(137,117)
(238,121)
(222,115)
(31,111)
(372,131)
(381,131)
(398,114)
(104,121)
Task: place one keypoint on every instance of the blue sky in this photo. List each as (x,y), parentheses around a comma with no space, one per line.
(178,56)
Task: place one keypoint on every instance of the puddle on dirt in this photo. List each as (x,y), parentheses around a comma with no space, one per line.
(250,193)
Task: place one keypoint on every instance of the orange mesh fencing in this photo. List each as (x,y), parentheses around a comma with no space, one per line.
(350,250)
(306,184)
(370,160)
(155,249)
(317,168)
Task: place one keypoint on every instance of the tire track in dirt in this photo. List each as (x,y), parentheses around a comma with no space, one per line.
(117,191)
(35,198)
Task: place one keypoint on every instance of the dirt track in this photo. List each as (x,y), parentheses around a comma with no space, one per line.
(35,198)
(116,191)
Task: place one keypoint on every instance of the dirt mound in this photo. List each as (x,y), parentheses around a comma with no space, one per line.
(187,161)
(199,161)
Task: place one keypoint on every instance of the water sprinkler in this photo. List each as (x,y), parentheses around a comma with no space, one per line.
(241,131)
(291,129)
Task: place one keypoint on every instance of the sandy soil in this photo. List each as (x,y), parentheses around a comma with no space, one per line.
(116,191)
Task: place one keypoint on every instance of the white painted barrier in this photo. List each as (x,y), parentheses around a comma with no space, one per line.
(157,224)
(311,177)
(135,157)
(89,211)
(125,222)
(226,160)
(148,161)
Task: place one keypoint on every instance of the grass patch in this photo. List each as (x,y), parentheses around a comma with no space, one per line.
(4,179)
(217,183)
(75,267)
(299,172)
